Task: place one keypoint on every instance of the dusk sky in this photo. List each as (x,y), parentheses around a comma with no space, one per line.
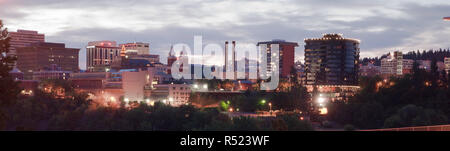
(382,26)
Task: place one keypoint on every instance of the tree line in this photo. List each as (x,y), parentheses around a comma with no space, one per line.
(438,55)
(418,99)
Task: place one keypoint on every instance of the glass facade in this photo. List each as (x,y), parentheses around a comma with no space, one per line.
(331,60)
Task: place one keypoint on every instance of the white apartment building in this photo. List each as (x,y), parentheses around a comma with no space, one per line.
(395,65)
(171,94)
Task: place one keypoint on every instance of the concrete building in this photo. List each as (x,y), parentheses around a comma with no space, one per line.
(426,65)
(447,64)
(172,94)
(100,55)
(395,65)
(51,75)
(23,38)
(138,48)
(45,56)
(286,56)
(130,85)
(369,70)
(332,60)
(149,57)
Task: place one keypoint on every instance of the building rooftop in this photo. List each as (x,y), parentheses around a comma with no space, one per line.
(332,36)
(277,41)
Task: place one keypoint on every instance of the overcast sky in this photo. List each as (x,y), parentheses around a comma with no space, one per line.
(382,26)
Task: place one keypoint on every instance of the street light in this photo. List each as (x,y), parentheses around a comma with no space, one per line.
(320,100)
(270,107)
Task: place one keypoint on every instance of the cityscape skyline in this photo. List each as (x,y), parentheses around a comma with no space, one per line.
(77,23)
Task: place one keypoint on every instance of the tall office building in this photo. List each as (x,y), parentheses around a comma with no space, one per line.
(138,48)
(23,38)
(287,54)
(45,56)
(332,60)
(101,54)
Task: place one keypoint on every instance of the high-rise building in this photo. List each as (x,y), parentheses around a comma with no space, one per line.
(23,38)
(101,54)
(332,60)
(447,64)
(138,48)
(45,56)
(286,56)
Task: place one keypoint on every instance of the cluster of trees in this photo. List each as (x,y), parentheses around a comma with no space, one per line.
(422,98)
(292,97)
(45,112)
(8,87)
(252,101)
(437,55)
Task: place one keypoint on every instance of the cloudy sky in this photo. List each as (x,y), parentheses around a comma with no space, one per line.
(381,25)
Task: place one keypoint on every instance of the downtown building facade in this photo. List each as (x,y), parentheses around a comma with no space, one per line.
(369,70)
(138,48)
(447,64)
(396,65)
(286,56)
(331,66)
(332,60)
(23,38)
(100,55)
(37,58)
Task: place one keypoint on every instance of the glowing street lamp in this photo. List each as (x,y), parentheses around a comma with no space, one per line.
(320,100)
(270,107)
(323,111)
(263,101)
(231,109)
(112,99)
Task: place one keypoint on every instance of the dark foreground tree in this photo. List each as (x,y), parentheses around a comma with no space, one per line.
(8,87)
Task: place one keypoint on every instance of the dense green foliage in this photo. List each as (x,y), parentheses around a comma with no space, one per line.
(420,99)
(8,87)
(44,112)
